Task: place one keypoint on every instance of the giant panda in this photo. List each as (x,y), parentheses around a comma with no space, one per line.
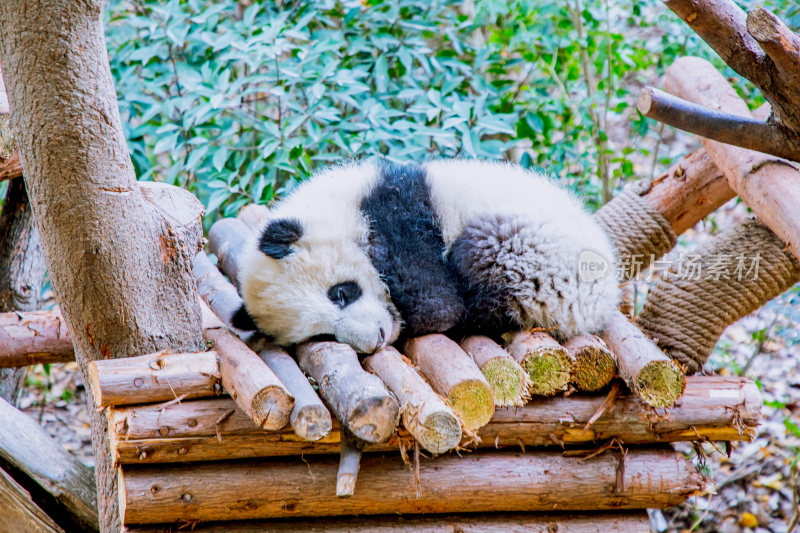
(364,250)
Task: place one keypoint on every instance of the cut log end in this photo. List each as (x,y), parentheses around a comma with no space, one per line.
(660,383)
(594,369)
(345,485)
(272,407)
(473,402)
(374,419)
(312,422)
(509,382)
(440,432)
(549,369)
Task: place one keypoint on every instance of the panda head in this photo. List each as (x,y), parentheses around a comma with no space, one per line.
(302,280)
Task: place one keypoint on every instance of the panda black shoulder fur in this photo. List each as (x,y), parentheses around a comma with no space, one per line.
(363,248)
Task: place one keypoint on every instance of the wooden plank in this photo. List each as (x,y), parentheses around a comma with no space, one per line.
(20,513)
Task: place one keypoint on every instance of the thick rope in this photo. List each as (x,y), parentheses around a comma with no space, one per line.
(639,233)
(690,306)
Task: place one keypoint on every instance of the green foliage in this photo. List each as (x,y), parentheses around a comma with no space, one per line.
(240,103)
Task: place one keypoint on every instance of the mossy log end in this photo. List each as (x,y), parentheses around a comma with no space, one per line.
(454,375)
(510,383)
(654,377)
(548,364)
(426,416)
(595,365)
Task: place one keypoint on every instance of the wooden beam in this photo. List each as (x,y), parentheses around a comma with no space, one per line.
(31,450)
(624,521)
(506,481)
(20,512)
(714,408)
(767,184)
(156,377)
(34,337)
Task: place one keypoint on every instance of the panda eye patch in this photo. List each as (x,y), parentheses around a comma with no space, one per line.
(343,294)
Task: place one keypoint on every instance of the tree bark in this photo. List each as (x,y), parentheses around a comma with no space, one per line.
(657,379)
(21,271)
(31,451)
(34,337)
(359,400)
(20,512)
(509,382)
(506,481)
(433,424)
(120,265)
(627,522)
(714,408)
(767,184)
(454,375)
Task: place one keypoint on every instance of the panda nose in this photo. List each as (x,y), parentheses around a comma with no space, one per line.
(381,338)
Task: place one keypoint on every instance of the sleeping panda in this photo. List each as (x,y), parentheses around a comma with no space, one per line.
(366,249)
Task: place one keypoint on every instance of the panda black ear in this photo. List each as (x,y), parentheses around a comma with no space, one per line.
(278,236)
(241,319)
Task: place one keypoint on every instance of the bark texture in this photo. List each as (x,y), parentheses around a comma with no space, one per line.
(713,407)
(21,269)
(120,265)
(627,522)
(506,481)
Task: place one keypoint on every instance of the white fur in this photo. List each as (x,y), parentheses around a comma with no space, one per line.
(288,297)
(464,191)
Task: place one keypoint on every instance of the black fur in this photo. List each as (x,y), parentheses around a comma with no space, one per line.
(343,294)
(406,248)
(278,236)
(241,319)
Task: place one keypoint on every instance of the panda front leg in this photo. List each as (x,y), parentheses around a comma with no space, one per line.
(522,274)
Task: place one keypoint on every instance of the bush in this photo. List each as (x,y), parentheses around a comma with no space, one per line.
(240,103)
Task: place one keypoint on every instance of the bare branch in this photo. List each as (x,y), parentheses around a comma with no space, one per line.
(723,25)
(728,128)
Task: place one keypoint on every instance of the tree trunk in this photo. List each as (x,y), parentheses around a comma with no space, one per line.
(21,269)
(120,266)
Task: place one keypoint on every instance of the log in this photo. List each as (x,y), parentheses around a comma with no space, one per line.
(34,454)
(310,419)
(155,377)
(595,365)
(626,521)
(253,215)
(767,184)
(747,43)
(454,375)
(215,290)
(548,365)
(34,337)
(654,377)
(227,239)
(506,481)
(743,131)
(712,407)
(358,399)
(20,512)
(689,191)
(10,167)
(432,423)
(509,382)
(349,464)
(255,388)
